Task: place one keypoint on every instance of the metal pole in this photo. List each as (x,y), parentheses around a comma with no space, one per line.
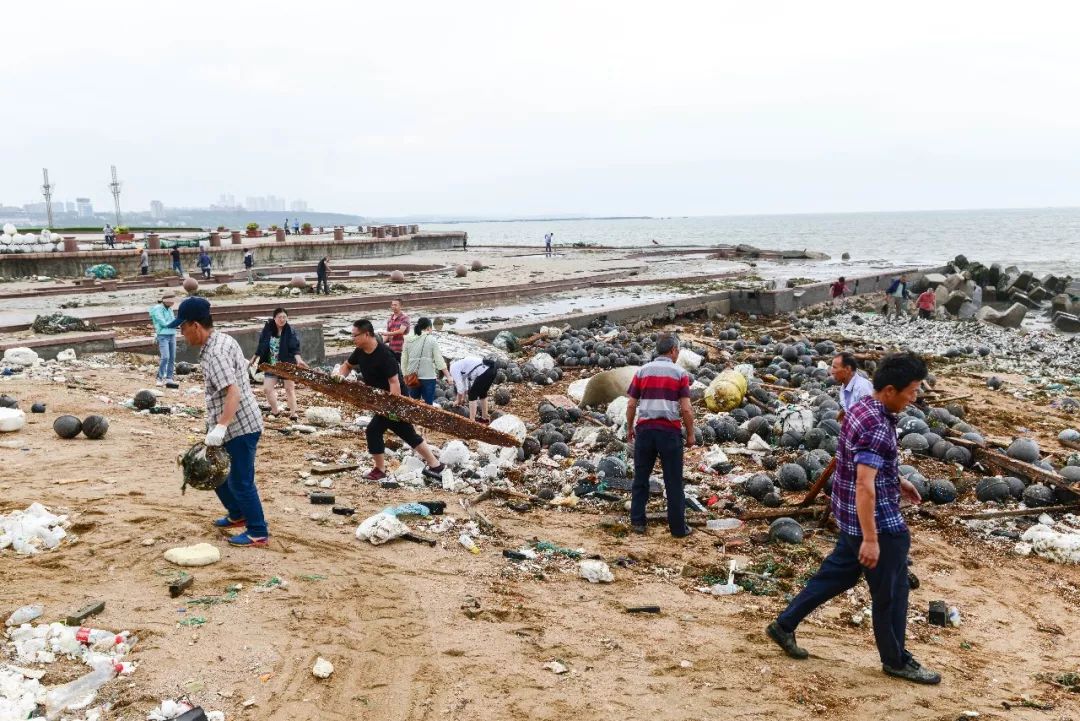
(46,190)
(115,187)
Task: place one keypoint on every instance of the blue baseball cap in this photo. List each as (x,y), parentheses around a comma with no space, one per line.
(193,308)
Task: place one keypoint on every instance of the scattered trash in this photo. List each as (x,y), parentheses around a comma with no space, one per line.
(11,420)
(92,609)
(556,667)
(939,614)
(595,571)
(31,531)
(25,614)
(380,528)
(469,544)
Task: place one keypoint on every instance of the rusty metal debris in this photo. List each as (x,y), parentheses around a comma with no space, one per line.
(385,404)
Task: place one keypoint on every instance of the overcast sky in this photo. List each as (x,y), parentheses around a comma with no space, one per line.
(507,108)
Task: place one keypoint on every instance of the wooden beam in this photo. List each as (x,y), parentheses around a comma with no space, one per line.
(1018,512)
(1034,473)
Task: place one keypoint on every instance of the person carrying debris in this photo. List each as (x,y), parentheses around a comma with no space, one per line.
(659,397)
(161,315)
(232,417)
(926,303)
(897,296)
(874,540)
(379,369)
(422,361)
(279,343)
(854,386)
(473,377)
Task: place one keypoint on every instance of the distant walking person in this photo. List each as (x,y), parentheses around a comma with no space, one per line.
(548,239)
(322,273)
(874,540)
(897,297)
(659,397)
(976,297)
(279,343)
(110,235)
(423,359)
(176,266)
(397,327)
(161,315)
(296,226)
(144,262)
(926,303)
(249,265)
(473,377)
(286,226)
(379,369)
(205,263)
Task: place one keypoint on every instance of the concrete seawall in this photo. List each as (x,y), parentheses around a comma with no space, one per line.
(227,258)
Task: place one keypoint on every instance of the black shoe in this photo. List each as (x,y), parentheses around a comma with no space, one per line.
(689,530)
(914,672)
(786,641)
(435,473)
(638,529)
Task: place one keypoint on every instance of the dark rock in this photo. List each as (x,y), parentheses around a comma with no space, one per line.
(612,467)
(37,408)
(958,454)
(757,485)
(95,427)
(772,500)
(1016,486)
(67,426)
(8,402)
(992,489)
(792,477)
(786,530)
(144,400)
(1037,495)
(915,442)
(942,491)
(502,396)
(559,450)
(1024,449)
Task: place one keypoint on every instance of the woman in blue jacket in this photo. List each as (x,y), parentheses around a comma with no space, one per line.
(279,343)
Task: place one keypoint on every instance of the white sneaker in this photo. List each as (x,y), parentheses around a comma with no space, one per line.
(160,382)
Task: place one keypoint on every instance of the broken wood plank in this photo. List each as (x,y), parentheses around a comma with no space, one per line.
(418,537)
(951,399)
(1034,473)
(76,619)
(386,404)
(1018,512)
(1075,445)
(662,518)
(779,513)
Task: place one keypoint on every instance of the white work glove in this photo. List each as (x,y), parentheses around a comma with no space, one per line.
(216,436)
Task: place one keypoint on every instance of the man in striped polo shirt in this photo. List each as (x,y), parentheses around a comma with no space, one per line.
(659,396)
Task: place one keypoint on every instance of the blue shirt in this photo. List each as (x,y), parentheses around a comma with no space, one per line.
(857,388)
(868,438)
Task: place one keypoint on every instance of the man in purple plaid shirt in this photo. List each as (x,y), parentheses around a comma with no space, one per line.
(874,540)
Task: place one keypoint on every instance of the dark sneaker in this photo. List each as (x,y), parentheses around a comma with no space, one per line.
(638,528)
(246,541)
(913,671)
(689,530)
(786,641)
(435,473)
(375,475)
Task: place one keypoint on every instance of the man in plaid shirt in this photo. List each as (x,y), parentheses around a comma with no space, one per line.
(874,540)
(232,415)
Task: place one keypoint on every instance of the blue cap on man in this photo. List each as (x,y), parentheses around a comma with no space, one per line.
(193,308)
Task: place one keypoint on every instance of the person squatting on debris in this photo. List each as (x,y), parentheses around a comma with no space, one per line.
(473,377)
(854,386)
(232,419)
(659,396)
(896,297)
(322,274)
(249,266)
(421,362)
(161,315)
(379,369)
(175,255)
(205,263)
(279,343)
(874,540)
(926,303)
(839,289)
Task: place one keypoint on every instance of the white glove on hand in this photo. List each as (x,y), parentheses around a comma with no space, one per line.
(216,436)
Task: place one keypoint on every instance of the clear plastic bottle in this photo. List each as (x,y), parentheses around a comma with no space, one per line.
(26,614)
(80,692)
(466,540)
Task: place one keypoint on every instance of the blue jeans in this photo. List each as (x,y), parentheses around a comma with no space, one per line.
(179,270)
(425,391)
(167,349)
(238,494)
(888,583)
(648,444)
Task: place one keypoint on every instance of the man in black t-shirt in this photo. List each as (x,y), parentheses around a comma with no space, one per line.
(322,273)
(379,368)
(175,255)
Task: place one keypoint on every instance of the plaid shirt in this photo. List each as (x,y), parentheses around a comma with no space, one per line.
(224,365)
(397,322)
(868,438)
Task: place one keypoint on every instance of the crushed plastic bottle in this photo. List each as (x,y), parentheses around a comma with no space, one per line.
(26,614)
(466,540)
(954,616)
(80,692)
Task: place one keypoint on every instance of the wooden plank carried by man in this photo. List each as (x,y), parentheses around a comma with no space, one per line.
(384,404)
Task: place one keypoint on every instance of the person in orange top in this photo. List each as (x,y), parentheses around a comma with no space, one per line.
(926,303)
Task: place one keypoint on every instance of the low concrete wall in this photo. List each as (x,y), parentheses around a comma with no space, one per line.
(50,345)
(227,258)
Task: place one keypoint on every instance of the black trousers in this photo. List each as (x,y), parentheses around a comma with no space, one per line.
(668,445)
(380,425)
(325,286)
(888,583)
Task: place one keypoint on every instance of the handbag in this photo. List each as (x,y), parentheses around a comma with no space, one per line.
(412,380)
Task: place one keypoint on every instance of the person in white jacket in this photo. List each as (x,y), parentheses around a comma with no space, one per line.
(472,379)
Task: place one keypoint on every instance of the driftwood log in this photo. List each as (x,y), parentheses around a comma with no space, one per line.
(384,404)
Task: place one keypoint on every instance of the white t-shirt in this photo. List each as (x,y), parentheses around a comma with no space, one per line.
(466,370)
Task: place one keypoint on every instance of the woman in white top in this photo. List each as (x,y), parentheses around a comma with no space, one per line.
(473,378)
(421,355)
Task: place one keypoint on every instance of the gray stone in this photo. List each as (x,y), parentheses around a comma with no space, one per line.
(915,442)
(1037,495)
(992,490)
(1023,299)
(1038,293)
(1024,449)
(956,299)
(953,282)
(1067,322)
(1070,474)
(1016,486)
(1011,318)
(792,477)
(942,491)
(934,279)
(786,530)
(1023,281)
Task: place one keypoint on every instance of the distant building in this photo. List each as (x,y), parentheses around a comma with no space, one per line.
(299,206)
(84,208)
(226,200)
(34,207)
(157,209)
(70,207)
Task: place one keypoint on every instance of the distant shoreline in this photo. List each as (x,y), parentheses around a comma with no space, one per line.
(541,220)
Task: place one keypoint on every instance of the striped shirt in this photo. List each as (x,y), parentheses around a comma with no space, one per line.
(658,388)
(397,322)
(868,437)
